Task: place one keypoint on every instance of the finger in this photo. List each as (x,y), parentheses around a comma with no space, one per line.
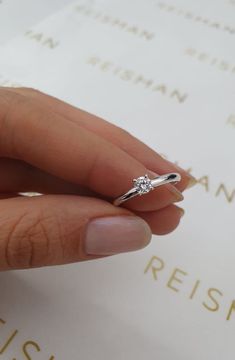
(163,221)
(68,151)
(8,195)
(121,138)
(59,229)
(18,176)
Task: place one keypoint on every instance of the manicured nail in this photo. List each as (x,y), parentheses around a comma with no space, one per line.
(176,194)
(182,211)
(116,234)
(192,181)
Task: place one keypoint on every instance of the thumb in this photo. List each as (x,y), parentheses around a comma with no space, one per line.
(59,229)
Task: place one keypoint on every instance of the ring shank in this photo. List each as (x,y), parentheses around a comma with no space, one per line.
(158,181)
(130,194)
(166,179)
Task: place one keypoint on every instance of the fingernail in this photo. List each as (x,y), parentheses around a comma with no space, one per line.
(176,194)
(182,211)
(192,181)
(116,234)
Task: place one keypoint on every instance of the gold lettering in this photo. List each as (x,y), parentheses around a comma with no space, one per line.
(162,88)
(197,18)
(147,35)
(214,301)
(229,29)
(231,120)
(232,308)
(117,70)
(229,197)
(154,268)
(93,60)
(133,30)
(204,181)
(25,346)
(106,66)
(202,57)
(176,279)
(106,19)
(141,79)
(180,97)
(214,61)
(50,43)
(200,19)
(191,51)
(189,15)
(127,75)
(224,66)
(9,340)
(215,25)
(38,37)
(194,289)
(120,23)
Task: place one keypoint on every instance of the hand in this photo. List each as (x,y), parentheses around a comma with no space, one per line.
(80,163)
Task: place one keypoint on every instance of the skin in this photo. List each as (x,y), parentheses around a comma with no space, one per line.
(80,163)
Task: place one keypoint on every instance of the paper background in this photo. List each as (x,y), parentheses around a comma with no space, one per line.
(17,16)
(109,308)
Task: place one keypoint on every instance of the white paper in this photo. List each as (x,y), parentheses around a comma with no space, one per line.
(110,308)
(16,16)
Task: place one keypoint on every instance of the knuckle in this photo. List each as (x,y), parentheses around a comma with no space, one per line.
(17,112)
(10,104)
(7,98)
(29,240)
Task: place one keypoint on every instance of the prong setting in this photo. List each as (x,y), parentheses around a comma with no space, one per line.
(143,184)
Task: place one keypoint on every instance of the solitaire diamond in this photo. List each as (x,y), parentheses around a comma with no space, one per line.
(143,184)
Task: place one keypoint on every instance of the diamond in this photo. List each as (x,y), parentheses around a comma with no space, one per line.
(143,184)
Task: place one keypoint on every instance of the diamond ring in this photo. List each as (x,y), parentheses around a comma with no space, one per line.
(143,185)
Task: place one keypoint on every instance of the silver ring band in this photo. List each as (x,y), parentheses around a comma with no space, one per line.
(143,185)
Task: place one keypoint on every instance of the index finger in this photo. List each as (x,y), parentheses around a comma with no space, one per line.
(37,135)
(114,134)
